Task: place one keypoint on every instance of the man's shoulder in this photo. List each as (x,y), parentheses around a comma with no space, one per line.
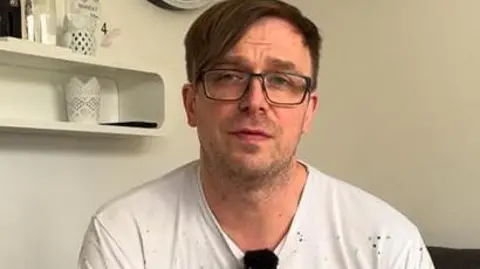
(359,206)
(158,194)
(374,232)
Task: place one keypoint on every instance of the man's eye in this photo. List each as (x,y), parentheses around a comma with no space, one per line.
(228,77)
(278,80)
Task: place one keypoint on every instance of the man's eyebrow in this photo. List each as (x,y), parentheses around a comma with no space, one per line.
(281,64)
(272,63)
(233,60)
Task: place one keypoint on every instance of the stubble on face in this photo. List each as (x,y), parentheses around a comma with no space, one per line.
(249,166)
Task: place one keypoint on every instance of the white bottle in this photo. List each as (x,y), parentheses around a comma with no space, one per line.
(29,20)
(41,19)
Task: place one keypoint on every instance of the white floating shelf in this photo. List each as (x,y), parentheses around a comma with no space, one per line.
(42,56)
(74,128)
(32,76)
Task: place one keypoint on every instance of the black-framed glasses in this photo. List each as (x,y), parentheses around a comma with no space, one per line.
(278,87)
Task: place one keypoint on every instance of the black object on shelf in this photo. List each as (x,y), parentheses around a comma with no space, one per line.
(137,124)
(10,18)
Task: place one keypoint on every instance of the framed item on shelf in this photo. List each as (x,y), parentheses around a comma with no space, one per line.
(181,4)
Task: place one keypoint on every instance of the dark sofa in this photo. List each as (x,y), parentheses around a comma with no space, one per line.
(454,258)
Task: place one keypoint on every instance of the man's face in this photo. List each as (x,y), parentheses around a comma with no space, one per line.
(252,137)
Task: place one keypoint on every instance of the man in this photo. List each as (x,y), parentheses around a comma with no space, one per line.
(252,68)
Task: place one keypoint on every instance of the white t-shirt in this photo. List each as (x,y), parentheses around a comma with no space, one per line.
(167,224)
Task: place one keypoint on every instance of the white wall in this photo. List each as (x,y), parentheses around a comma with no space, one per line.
(51,185)
(397,117)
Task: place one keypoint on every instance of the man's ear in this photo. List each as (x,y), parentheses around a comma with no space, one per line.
(189,95)
(310,113)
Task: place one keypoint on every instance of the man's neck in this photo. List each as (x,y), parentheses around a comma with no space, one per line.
(255,218)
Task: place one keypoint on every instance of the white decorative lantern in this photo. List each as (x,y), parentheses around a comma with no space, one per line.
(83,100)
(80,35)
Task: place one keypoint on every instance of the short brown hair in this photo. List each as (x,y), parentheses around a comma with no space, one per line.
(215,32)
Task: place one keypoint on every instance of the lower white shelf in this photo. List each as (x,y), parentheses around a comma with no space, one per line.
(34,126)
(33,79)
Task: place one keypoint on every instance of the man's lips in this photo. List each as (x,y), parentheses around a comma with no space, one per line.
(254,134)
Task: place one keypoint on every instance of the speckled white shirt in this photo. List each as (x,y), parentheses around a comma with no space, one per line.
(166,224)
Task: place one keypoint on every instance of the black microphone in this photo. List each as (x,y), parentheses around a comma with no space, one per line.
(260,259)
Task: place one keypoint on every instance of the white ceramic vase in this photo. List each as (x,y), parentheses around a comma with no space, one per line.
(83,100)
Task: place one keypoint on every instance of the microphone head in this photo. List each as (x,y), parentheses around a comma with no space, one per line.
(260,259)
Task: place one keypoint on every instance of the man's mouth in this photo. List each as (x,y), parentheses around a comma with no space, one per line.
(251,134)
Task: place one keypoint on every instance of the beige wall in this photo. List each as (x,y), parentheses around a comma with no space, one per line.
(398,117)
(400,108)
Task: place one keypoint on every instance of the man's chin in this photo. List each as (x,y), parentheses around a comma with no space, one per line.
(248,149)
(250,164)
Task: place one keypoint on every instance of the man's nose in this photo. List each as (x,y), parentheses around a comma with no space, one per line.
(255,98)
